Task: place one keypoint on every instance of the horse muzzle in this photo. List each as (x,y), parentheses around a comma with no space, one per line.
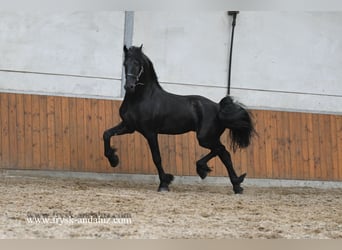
(130,87)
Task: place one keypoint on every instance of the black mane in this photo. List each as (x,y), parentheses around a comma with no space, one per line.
(136,53)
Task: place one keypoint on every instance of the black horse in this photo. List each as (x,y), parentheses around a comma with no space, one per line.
(150,110)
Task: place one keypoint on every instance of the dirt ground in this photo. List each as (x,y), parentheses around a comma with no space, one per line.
(46,207)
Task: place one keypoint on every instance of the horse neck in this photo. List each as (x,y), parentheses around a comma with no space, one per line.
(151,85)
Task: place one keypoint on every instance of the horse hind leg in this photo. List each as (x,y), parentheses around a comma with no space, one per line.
(236,181)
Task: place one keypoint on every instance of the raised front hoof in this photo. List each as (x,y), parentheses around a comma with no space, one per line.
(113,160)
(163,189)
(202,171)
(238,190)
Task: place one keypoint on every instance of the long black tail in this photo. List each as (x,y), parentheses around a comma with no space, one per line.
(235,117)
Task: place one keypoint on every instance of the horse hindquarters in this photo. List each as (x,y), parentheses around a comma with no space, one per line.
(229,115)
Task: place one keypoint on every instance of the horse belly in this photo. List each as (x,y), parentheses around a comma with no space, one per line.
(179,125)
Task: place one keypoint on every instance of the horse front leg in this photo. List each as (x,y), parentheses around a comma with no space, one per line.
(109,152)
(165,179)
(202,166)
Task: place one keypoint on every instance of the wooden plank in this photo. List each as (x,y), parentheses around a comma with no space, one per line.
(254,154)
(247,165)
(185,153)
(257,144)
(268,144)
(242,168)
(192,153)
(88,120)
(339,144)
(73,134)
(293,129)
(317,148)
(251,159)
(36,145)
(326,150)
(334,147)
(51,138)
(1,153)
(299,148)
(179,154)
(260,166)
(304,132)
(44,161)
(98,115)
(172,154)
(66,133)
(276,163)
(311,153)
(28,131)
(81,134)
(95,135)
(12,131)
(254,166)
(59,134)
(281,141)
(5,143)
(20,131)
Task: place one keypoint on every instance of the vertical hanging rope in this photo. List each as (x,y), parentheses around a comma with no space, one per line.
(234,14)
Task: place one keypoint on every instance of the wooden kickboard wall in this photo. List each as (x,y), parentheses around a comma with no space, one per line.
(65,133)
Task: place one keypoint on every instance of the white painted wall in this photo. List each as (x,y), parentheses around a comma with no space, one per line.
(74,54)
(289,60)
(281,60)
(188,49)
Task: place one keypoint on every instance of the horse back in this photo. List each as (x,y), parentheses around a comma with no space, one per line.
(179,114)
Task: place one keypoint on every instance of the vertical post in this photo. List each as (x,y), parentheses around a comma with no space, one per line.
(234,14)
(128,41)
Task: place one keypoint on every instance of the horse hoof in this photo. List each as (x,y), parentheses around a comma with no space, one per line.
(114,160)
(163,189)
(202,171)
(242,177)
(238,190)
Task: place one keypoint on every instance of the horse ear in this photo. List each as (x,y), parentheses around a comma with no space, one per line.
(125,49)
(141,47)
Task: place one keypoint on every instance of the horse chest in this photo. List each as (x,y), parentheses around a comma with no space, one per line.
(136,114)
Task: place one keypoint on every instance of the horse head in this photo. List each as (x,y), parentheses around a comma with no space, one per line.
(134,68)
